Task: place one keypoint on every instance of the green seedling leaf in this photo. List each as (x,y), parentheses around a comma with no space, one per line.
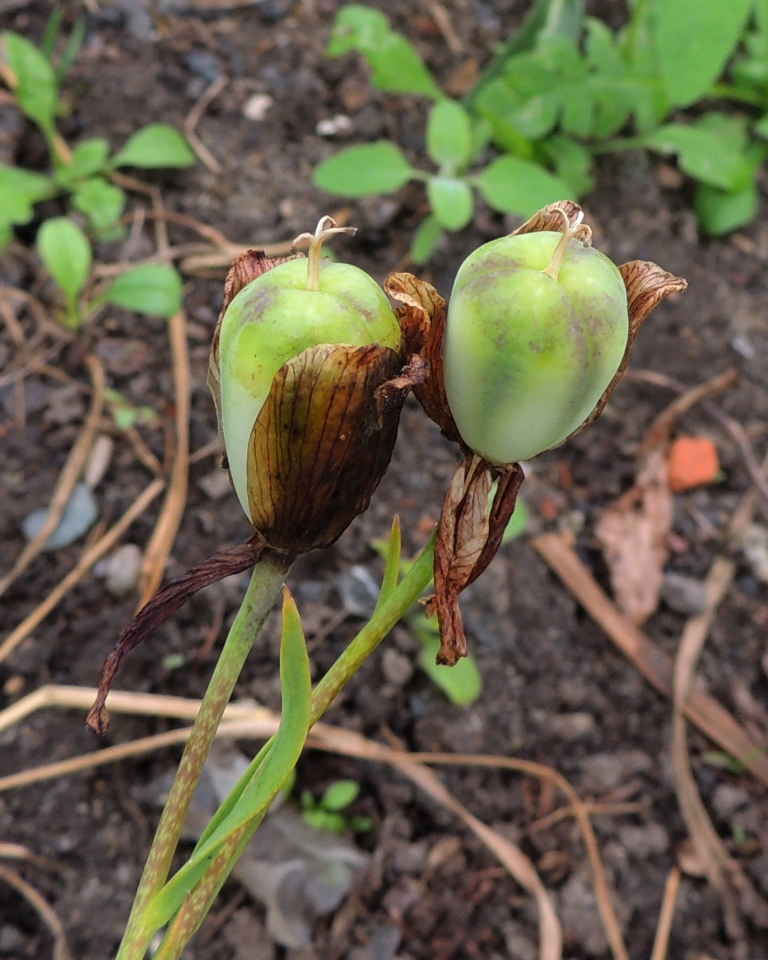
(66,253)
(395,64)
(425,240)
(324,820)
(391,564)
(88,157)
(33,81)
(101,201)
(462,684)
(6,235)
(20,190)
(690,68)
(512,185)
(266,780)
(452,202)
(712,150)
(153,288)
(720,212)
(365,170)
(450,143)
(571,161)
(155,146)
(338,796)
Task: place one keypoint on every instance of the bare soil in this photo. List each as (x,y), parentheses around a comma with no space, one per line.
(555,690)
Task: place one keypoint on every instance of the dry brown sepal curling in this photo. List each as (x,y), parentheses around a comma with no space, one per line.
(468,536)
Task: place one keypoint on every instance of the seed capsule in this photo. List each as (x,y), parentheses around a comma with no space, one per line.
(300,371)
(537,327)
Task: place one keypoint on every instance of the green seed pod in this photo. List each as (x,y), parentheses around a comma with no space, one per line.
(299,360)
(537,327)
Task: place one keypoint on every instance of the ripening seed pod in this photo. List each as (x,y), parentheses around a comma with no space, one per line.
(300,370)
(537,327)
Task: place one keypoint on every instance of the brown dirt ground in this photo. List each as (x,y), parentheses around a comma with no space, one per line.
(555,690)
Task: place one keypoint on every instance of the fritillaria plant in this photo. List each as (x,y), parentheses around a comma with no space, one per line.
(309,370)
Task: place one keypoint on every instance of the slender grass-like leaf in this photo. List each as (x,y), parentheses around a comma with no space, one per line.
(270,776)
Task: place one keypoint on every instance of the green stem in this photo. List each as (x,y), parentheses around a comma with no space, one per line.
(387,614)
(266,579)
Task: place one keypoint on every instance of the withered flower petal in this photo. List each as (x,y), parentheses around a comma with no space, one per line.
(322,442)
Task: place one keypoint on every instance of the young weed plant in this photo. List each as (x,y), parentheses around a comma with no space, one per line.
(564,89)
(151,288)
(81,173)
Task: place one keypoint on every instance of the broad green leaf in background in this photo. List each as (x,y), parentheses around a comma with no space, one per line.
(395,63)
(720,212)
(153,288)
(101,201)
(517,522)
(155,146)
(425,240)
(66,253)
(572,162)
(449,136)
(462,683)
(693,40)
(512,185)
(36,90)
(711,150)
(361,171)
(20,190)
(452,202)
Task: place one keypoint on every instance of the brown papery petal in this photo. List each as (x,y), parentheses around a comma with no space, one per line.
(551,218)
(422,320)
(322,442)
(647,285)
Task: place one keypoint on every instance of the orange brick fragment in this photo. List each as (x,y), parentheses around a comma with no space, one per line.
(692,461)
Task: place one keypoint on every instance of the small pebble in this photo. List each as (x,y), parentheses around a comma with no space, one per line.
(684,594)
(334,125)
(203,64)
(122,569)
(215,485)
(727,799)
(397,669)
(98,460)
(257,106)
(359,591)
(79,516)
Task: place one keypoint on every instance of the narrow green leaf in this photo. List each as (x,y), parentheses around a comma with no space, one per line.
(449,136)
(36,90)
(66,253)
(155,146)
(153,288)
(512,185)
(269,777)
(365,170)
(101,201)
(721,212)
(425,240)
(391,564)
(20,190)
(694,39)
(452,201)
